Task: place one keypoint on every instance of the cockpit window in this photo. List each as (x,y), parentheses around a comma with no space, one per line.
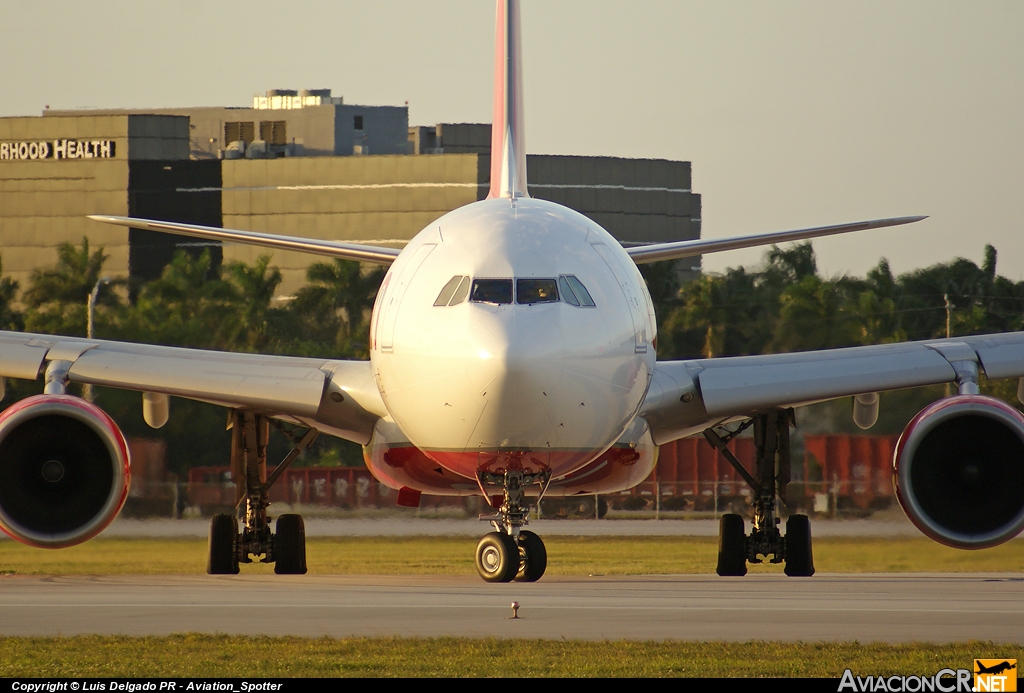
(447,291)
(491,291)
(580,291)
(461,293)
(536,291)
(567,295)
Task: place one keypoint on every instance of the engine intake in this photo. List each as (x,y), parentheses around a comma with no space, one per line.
(959,471)
(64,471)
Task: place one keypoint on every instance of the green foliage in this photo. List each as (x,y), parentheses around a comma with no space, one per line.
(57,296)
(786,305)
(188,305)
(195,655)
(10,318)
(253,319)
(331,311)
(568,556)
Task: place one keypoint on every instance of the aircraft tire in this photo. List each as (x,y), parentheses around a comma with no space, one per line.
(290,546)
(222,553)
(799,559)
(732,550)
(533,557)
(497,557)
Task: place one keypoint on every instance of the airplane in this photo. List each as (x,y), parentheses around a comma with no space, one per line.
(995,668)
(512,355)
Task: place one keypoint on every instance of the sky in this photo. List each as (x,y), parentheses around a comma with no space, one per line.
(794,113)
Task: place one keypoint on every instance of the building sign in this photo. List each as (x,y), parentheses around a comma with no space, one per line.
(58,149)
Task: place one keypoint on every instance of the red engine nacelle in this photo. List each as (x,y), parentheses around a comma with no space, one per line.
(64,471)
(959,471)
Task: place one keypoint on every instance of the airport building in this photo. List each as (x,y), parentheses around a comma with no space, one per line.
(296,163)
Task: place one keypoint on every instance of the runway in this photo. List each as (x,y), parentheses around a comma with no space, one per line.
(867,608)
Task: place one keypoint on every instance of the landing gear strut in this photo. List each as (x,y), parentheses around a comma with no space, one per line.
(286,548)
(510,552)
(771,475)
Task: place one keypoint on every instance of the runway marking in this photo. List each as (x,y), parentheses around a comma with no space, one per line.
(537,607)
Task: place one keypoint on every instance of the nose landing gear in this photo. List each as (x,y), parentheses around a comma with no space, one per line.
(772,462)
(510,552)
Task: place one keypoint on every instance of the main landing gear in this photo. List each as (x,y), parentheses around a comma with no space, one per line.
(511,552)
(772,466)
(285,548)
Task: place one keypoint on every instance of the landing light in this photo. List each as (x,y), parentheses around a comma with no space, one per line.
(484,354)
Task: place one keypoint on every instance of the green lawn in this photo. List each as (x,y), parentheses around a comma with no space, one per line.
(237,656)
(454,556)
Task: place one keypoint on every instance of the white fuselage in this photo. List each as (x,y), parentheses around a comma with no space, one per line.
(485,384)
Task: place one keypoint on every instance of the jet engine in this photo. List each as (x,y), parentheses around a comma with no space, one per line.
(64,471)
(959,471)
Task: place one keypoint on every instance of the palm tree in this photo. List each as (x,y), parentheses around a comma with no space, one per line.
(57,296)
(816,313)
(255,285)
(10,319)
(332,308)
(184,306)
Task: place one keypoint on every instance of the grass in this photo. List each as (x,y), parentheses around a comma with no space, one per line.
(572,556)
(252,657)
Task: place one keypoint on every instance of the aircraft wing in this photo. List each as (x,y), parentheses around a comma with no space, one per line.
(345,251)
(686,397)
(680,249)
(340,397)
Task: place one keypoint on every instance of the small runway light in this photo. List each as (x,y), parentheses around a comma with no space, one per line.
(515,609)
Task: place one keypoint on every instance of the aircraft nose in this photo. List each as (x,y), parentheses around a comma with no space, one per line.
(516,367)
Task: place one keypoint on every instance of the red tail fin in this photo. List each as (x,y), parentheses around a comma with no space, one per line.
(508,148)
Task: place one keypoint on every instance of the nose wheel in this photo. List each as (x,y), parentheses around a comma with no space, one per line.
(497,557)
(533,557)
(500,558)
(510,552)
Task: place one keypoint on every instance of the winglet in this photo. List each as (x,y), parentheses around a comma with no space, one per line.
(508,148)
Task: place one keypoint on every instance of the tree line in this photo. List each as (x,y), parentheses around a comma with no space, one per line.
(196,304)
(785,304)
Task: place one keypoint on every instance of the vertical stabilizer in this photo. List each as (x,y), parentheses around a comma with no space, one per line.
(508,149)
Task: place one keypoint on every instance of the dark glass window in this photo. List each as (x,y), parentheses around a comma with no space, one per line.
(567,295)
(581,291)
(491,291)
(357,122)
(536,291)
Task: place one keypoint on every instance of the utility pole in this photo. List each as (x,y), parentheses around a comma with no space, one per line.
(93,295)
(949,320)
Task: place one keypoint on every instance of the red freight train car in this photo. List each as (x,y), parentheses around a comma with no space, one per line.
(837,472)
(853,471)
(350,488)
